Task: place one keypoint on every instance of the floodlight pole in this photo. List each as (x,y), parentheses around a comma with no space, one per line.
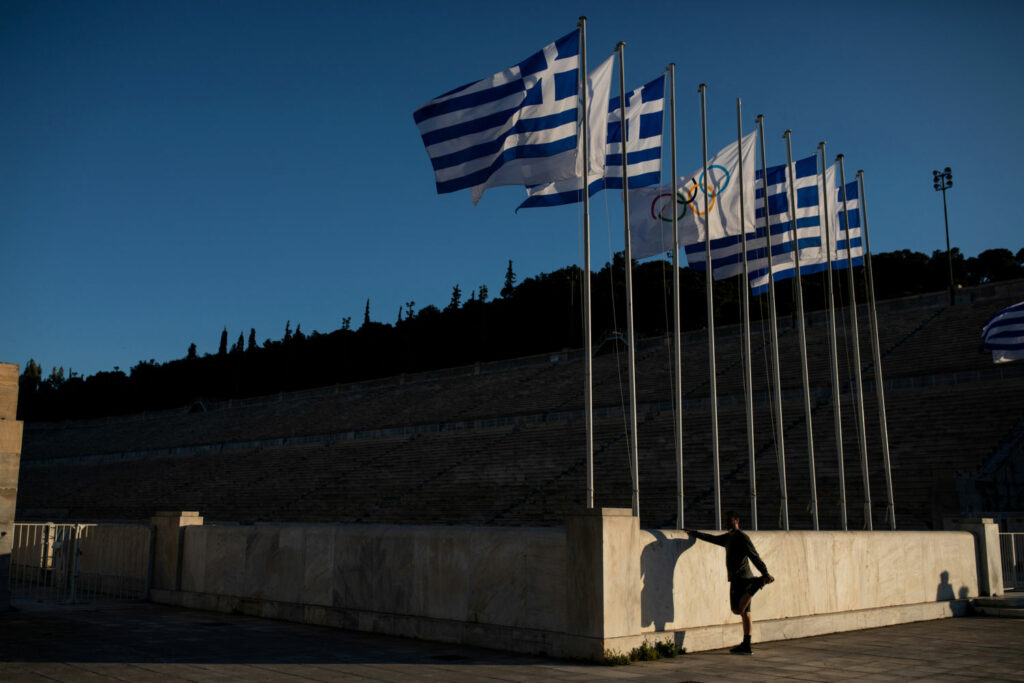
(942,181)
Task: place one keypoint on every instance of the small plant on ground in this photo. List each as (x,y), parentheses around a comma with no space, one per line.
(644,653)
(615,658)
(667,648)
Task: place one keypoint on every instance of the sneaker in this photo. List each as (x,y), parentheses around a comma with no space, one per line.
(742,649)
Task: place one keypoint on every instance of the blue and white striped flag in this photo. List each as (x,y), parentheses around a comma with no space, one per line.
(808,224)
(645,109)
(517,127)
(650,213)
(840,237)
(1003,334)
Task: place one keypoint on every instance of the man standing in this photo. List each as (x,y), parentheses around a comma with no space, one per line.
(739,552)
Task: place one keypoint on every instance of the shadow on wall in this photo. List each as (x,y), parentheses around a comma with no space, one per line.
(944,592)
(657,570)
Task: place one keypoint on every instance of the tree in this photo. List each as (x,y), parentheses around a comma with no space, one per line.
(483,294)
(366,313)
(409,309)
(510,281)
(56,378)
(456,299)
(399,315)
(252,339)
(222,350)
(192,355)
(288,331)
(346,323)
(299,336)
(30,378)
(239,345)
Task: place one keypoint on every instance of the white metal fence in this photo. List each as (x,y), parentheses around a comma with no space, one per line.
(1011,548)
(80,562)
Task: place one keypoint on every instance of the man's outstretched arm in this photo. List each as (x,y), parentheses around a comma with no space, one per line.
(721,540)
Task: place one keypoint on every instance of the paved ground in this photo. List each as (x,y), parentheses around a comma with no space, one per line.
(146,642)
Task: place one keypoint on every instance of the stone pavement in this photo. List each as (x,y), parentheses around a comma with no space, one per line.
(148,642)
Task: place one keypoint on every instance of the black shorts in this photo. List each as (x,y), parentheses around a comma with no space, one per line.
(740,587)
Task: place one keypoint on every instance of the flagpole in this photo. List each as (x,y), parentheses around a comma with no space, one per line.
(833,350)
(633,445)
(858,388)
(802,329)
(876,350)
(711,311)
(588,392)
(776,374)
(748,380)
(676,304)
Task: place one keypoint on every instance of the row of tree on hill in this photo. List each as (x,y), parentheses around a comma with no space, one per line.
(541,314)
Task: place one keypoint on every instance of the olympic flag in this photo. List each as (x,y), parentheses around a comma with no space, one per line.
(808,224)
(1003,334)
(645,108)
(517,127)
(651,213)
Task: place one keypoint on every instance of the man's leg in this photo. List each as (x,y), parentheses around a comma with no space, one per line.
(743,605)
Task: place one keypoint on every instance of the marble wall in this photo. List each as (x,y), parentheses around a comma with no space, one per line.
(502,577)
(10,466)
(599,584)
(684,581)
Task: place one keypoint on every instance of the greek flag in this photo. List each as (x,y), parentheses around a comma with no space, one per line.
(650,213)
(1003,334)
(808,224)
(517,127)
(841,240)
(645,108)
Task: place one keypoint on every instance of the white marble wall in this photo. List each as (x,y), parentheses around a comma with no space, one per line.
(684,582)
(503,577)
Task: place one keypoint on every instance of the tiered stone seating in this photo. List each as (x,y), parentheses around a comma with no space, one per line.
(504,443)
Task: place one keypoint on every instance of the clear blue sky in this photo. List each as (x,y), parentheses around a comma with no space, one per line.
(171,168)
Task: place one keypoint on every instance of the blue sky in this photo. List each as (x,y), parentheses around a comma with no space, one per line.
(168,169)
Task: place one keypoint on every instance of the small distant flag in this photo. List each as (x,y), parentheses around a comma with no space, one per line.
(645,109)
(840,239)
(517,127)
(1003,334)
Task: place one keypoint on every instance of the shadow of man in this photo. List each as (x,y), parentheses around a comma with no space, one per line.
(657,570)
(944,592)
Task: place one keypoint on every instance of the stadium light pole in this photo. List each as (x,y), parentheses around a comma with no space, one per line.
(942,181)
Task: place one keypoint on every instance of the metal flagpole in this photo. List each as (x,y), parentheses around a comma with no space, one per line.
(858,388)
(588,392)
(791,184)
(837,415)
(676,303)
(748,381)
(876,350)
(711,311)
(776,374)
(633,446)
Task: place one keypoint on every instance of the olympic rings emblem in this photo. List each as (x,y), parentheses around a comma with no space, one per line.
(685,197)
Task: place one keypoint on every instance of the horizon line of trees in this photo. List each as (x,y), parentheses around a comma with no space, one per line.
(541,314)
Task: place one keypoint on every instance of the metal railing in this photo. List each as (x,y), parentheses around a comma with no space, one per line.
(79,562)
(1011,548)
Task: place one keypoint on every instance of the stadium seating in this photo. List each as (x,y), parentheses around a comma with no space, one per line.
(503,443)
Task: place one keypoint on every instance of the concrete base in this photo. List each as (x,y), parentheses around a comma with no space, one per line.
(727,635)
(533,641)
(512,639)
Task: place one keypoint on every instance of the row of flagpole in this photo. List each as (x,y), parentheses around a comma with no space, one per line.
(516,128)
(747,358)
